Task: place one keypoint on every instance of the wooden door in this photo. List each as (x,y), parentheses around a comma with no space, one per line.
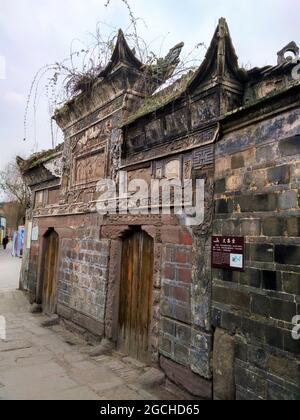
(49,299)
(136,296)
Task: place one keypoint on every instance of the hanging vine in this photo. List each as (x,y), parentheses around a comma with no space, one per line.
(62,81)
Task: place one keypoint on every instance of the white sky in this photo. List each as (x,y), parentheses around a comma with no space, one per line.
(38,32)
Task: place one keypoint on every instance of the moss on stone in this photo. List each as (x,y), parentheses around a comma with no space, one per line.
(39,158)
(161,99)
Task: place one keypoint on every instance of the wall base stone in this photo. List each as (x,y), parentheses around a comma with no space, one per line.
(223,365)
(186,379)
(81,324)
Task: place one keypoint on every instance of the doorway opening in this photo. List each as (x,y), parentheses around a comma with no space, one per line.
(48,284)
(135,308)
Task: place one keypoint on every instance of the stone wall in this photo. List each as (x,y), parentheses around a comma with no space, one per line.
(185,344)
(82,279)
(257,196)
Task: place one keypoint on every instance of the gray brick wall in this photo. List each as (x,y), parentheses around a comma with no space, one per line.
(257,196)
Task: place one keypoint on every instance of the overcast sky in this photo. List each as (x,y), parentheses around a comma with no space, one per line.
(34,33)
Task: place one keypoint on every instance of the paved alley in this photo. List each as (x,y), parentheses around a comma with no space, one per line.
(53,364)
(9,270)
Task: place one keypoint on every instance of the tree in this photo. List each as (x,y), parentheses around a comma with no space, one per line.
(14,190)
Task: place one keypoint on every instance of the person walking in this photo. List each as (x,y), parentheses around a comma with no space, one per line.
(5,242)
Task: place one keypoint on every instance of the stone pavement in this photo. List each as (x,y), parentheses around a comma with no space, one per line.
(9,270)
(53,364)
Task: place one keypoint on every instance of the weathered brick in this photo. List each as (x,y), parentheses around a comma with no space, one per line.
(220,186)
(216,318)
(237,162)
(288,200)
(273,226)
(185,378)
(282,310)
(182,313)
(181,354)
(231,322)
(279,175)
(251,277)
(250,227)
(169,272)
(289,255)
(223,357)
(257,357)
(260,305)
(231,297)
(254,329)
(257,203)
(200,363)
(184,275)
(186,238)
(289,344)
(291,283)
(168,327)
(183,256)
(170,252)
(262,252)
(269,280)
(167,308)
(274,337)
(293,226)
(241,349)
(181,294)
(246,395)
(224,206)
(183,333)
(166,345)
(283,367)
(250,380)
(290,146)
(276,392)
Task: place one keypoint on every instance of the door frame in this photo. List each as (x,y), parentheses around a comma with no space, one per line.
(137,238)
(41,265)
(114,283)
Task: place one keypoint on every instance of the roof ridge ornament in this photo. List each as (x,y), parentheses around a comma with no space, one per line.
(122,55)
(293,48)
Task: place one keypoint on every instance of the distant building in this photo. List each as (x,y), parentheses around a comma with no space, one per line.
(14,216)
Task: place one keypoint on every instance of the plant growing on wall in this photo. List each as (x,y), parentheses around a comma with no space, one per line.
(61,81)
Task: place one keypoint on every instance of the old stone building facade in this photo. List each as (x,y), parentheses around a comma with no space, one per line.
(145,281)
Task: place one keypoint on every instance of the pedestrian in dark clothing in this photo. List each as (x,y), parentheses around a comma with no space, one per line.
(5,242)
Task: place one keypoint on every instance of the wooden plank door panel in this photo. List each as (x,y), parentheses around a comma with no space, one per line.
(136,295)
(49,276)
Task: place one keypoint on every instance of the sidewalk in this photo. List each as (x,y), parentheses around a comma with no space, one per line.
(54,364)
(9,270)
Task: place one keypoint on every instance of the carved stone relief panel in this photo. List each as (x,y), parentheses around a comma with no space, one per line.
(173,169)
(53,196)
(54,166)
(153,132)
(93,136)
(187,166)
(89,167)
(177,122)
(143,174)
(39,199)
(168,168)
(203,110)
